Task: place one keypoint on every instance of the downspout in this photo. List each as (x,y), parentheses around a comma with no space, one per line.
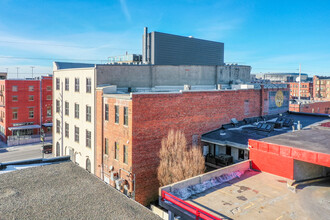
(261,99)
(40,103)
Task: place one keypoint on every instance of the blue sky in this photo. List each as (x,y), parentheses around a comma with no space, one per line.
(271,36)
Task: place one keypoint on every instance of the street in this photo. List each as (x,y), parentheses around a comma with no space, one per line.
(22,152)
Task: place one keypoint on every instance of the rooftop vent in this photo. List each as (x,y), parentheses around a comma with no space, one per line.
(187,87)
(267,127)
(234,121)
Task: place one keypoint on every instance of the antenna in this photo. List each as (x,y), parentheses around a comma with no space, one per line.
(32,70)
(17,71)
(299,80)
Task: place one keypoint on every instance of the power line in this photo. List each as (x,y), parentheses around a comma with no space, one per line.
(62,45)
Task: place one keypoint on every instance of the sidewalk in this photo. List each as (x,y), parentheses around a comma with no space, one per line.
(4,145)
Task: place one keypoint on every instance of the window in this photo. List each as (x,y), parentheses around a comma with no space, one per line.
(49,88)
(76,84)
(31,97)
(31,88)
(49,97)
(58,150)
(49,111)
(66,84)
(246,107)
(116,150)
(14,88)
(241,154)
(117,114)
(88,165)
(76,134)
(88,139)
(126,116)
(57,106)
(125,154)
(106,146)
(76,110)
(66,130)
(66,110)
(15,98)
(58,124)
(88,113)
(88,85)
(228,150)
(106,112)
(15,114)
(31,113)
(57,84)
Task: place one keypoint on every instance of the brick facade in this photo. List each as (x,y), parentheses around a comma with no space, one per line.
(306,90)
(313,107)
(152,115)
(21,96)
(321,91)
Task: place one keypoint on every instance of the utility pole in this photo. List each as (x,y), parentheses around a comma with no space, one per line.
(17,71)
(32,70)
(7,70)
(299,81)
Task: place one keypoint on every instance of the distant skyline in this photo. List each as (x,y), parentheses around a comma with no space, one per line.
(270,36)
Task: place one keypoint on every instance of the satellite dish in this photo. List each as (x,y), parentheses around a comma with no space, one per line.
(298,79)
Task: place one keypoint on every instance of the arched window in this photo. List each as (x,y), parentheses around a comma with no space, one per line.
(88,165)
(58,150)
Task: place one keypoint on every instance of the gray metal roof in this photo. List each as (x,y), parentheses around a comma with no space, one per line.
(64,191)
(238,136)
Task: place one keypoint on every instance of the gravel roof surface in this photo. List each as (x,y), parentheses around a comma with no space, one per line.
(64,191)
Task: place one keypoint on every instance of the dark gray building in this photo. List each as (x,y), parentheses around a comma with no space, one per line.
(168,49)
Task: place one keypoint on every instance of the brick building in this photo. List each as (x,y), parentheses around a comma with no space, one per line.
(306,90)
(25,107)
(321,89)
(130,127)
(322,107)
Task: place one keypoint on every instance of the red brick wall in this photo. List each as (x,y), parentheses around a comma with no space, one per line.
(306,90)
(194,113)
(316,107)
(152,115)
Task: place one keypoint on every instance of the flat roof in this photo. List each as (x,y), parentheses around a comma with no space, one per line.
(238,136)
(64,191)
(314,139)
(258,195)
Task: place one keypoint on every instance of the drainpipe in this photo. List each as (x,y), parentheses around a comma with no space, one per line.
(102,132)
(40,88)
(261,99)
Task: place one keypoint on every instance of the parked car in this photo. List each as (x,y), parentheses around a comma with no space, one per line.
(48,149)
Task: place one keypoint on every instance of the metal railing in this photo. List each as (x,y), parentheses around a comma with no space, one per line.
(199,213)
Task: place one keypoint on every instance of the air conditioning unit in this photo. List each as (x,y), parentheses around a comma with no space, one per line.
(119,184)
(114,176)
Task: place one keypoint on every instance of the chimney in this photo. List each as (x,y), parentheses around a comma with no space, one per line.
(145,46)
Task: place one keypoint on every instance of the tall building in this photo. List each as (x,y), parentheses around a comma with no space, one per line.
(306,90)
(131,126)
(321,88)
(25,108)
(168,49)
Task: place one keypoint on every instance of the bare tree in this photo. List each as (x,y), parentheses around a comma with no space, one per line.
(177,160)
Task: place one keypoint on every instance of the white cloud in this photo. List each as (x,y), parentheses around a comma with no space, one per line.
(125,10)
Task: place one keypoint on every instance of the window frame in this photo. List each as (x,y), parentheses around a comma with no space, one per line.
(88,113)
(57,83)
(126,116)
(58,106)
(76,134)
(106,112)
(76,84)
(116,114)
(30,100)
(49,109)
(106,146)
(88,85)
(76,110)
(125,154)
(116,150)
(14,90)
(15,98)
(31,88)
(67,130)
(66,108)
(31,109)
(58,125)
(88,139)
(67,84)
(15,113)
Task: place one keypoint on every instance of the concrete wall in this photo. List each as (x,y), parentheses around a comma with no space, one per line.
(242,166)
(170,75)
(303,170)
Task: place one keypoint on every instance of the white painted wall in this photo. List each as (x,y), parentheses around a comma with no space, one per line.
(81,152)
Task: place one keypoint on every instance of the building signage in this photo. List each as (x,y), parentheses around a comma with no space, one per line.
(22,124)
(278,102)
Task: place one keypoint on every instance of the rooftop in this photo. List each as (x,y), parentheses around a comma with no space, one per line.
(239,134)
(63,191)
(259,195)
